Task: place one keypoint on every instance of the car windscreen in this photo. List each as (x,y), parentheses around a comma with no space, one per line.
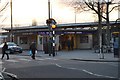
(1,45)
(11,44)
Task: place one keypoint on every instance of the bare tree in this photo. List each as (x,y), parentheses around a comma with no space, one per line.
(104,9)
(100,7)
(4,7)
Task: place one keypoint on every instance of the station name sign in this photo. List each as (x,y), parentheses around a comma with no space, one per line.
(59,33)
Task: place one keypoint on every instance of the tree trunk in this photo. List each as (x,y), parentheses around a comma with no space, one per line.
(100,30)
(108,37)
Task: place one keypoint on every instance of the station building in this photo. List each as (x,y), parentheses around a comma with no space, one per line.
(84,35)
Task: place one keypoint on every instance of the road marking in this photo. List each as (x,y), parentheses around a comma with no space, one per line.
(51,59)
(58,65)
(48,58)
(91,73)
(25,59)
(1,62)
(12,61)
(97,74)
(13,75)
(108,63)
(40,59)
(3,69)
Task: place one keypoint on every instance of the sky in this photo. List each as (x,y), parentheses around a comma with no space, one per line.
(24,11)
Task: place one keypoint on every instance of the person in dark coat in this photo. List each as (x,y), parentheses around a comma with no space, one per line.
(72,43)
(4,48)
(68,44)
(116,48)
(33,49)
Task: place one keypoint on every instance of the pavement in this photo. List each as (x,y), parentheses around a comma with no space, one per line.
(80,55)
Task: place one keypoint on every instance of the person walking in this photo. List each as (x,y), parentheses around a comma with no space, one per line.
(116,48)
(72,43)
(68,44)
(33,49)
(4,49)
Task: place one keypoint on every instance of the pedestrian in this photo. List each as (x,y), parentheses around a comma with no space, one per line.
(72,43)
(33,49)
(68,44)
(4,49)
(116,48)
(50,47)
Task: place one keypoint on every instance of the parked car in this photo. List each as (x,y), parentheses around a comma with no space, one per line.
(12,47)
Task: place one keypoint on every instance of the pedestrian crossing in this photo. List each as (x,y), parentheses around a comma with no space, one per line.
(12,61)
(17,60)
(25,59)
(1,62)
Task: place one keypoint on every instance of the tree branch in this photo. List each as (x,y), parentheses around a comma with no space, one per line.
(114,8)
(94,10)
(4,7)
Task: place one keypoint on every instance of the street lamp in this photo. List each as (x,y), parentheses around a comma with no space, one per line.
(108,2)
(48,9)
(11,31)
(75,13)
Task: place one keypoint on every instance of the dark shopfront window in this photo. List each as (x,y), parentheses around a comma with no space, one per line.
(23,40)
(84,39)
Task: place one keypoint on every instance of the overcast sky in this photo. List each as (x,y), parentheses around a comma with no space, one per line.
(24,11)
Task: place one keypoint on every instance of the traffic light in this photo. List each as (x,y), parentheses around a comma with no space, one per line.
(51,22)
(53,26)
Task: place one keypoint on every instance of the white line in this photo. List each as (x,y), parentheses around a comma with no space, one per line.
(51,58)
(1,62)
(97,74)
(25,59)
(107,63)
(48,58)
(12,61)
(40,59)
(1,78)
(55,59)
(85,71)
(13,75)
(58,65)
(3,69)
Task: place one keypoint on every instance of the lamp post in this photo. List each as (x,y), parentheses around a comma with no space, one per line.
(11,31)
(75,13)
(48,9)
(108,2)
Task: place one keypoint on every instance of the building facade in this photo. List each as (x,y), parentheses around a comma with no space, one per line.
(83,35)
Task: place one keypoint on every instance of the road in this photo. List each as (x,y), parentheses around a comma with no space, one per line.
(49,67)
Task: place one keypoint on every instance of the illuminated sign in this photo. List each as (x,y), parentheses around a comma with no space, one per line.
(70,32)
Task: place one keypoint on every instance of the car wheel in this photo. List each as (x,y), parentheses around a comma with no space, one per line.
(20,52)
(11,52)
